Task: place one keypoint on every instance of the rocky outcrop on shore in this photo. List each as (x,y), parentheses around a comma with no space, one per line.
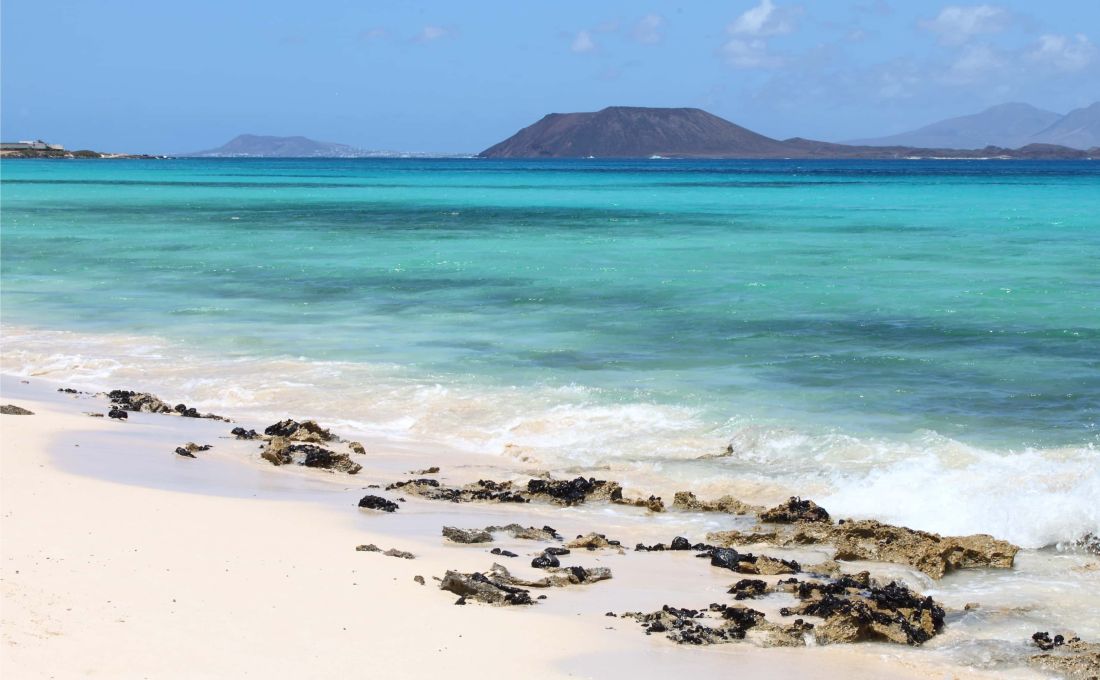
(560,492)
(930,553)
(1070,657)
(129,400)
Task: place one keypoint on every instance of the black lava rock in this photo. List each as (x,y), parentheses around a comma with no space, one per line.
(184,452)
(377,503)
(118,414)
(545,560)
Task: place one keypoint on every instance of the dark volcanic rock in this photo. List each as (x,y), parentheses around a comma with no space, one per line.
(503,553)
(317,457)
(747,588)
(377,503)
(694,627)
(305,431)
(747,563)
(572,492)
(680,543)
(184,452)
(795,510)
(241,433)
(118,414)
(13,410)
(545,560)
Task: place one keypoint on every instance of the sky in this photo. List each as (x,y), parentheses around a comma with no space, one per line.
(174,77)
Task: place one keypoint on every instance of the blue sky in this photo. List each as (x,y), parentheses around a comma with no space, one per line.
(165,77)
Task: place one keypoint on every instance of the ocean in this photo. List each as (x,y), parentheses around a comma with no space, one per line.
(915,341)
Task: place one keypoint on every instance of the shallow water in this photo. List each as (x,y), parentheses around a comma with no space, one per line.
(913,341)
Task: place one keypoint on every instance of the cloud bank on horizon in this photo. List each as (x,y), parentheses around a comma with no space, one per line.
(459,76)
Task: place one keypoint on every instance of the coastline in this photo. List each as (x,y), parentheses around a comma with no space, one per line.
(107,537)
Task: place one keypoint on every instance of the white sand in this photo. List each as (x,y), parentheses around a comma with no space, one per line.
(120,559)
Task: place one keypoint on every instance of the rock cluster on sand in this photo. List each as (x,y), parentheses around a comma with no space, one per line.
(306,431)
(855,609)
(561,492)
(392,552)
(129,400)
(188,450)
(499,587)
(13,410)
(686,500)
(281,451)
(806,524)
(1071,658)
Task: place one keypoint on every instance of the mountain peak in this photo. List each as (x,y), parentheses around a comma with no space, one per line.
(634,132)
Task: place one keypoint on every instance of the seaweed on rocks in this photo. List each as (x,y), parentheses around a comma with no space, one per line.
(377,503)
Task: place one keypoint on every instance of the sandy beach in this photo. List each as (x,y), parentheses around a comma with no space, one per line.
(122,559)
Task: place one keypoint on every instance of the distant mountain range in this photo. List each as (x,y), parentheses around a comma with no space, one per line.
(637,132)
(261,146)
(1007,125)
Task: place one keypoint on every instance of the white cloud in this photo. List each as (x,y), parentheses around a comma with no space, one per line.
(1064,53)
(762,20)
(369,34)
(956,24)
(432,33)
(973,64)
(648,29)
(750,54)
(582,43)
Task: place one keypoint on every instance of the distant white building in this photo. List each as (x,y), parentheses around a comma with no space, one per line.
(36,145)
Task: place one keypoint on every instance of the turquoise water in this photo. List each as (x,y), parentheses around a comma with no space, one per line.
(684,303)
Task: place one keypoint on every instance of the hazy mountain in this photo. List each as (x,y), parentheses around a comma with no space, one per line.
(260,146)
(1006,125)
(1079,129)
(631,132)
